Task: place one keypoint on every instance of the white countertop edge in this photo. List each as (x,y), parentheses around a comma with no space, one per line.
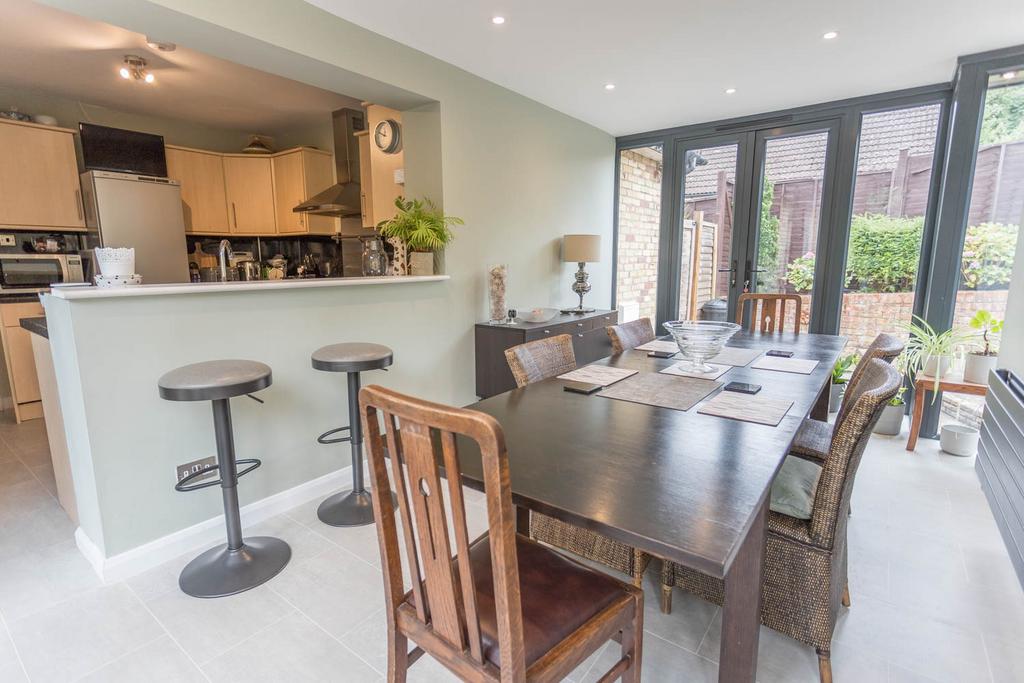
(78,293)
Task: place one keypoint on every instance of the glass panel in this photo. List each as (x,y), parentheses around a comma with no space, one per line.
(790,213)
(890,198)
(708,189)
(639,229)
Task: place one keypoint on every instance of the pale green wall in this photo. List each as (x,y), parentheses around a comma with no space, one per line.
(519,173)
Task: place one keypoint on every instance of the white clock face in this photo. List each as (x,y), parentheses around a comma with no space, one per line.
(387,136)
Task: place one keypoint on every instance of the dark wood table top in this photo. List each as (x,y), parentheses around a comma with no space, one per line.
(681,485)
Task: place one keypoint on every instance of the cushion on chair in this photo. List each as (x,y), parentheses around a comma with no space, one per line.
(558,596)
(812,439)
(794,488)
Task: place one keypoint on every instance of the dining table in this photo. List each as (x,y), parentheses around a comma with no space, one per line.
(681,485)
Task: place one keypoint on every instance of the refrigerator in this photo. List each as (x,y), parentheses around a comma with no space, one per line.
(143,212)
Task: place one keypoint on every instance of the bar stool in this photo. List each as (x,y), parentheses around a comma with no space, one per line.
(240,564)
(350,508)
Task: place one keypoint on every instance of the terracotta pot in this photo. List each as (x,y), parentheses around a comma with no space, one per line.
(890,423)
(977,367)
(421,263)
(835,396)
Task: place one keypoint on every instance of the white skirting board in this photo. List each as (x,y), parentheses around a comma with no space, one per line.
(205,534)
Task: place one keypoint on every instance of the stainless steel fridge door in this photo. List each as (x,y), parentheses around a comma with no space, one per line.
(146,215)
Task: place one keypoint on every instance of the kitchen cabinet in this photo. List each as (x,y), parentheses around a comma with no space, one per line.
(249,186)
(21,365)
(377,169)
(203,194)
(298,175)
(39,177)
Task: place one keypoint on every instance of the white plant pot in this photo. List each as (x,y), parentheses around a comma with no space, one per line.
(937,366)
(959,440)
(421,263)
(890,423)
(835,396)
(977,367)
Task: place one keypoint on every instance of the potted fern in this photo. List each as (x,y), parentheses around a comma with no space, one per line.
(838,386)
(422,228)
(977,364)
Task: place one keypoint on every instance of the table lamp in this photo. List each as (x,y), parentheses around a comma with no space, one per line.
(581,249)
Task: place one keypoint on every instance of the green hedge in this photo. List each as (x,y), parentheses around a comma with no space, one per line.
(884,253)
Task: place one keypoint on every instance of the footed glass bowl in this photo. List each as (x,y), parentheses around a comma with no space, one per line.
(699,340)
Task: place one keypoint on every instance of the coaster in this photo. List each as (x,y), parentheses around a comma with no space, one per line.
(746,408)
(680,370)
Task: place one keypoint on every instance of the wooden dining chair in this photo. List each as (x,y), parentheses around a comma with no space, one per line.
(540,359)
(805,576)
(504,608)
(814,436)
(772,314)
(535,361)
(630,335)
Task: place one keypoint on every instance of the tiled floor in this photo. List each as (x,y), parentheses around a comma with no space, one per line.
(934,596)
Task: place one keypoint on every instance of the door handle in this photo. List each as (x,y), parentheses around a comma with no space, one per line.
(234,214)
(732,273)
(78,204)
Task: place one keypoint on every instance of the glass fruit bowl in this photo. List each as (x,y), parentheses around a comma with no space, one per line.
(699,340)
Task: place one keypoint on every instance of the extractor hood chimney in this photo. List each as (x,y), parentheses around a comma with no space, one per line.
(344,198)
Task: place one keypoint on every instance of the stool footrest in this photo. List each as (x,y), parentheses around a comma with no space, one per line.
(325,437)
(184,486)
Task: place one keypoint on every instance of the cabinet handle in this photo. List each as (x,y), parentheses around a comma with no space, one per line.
(234,214)
(579,324)
(78,204)
(547,331)
(580,335)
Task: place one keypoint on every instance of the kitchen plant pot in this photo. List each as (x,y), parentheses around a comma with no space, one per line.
(959,440)
(890,423)
(977,367)
(937,366)
(421,263)
(835,396)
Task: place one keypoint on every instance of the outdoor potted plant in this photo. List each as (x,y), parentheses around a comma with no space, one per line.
(890,422)
(838,386)
(422,228)
(977,364)
(929,351)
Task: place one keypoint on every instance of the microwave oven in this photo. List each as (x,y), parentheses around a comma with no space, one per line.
(37,272)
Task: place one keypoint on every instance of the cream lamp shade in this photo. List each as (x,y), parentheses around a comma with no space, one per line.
(581,248)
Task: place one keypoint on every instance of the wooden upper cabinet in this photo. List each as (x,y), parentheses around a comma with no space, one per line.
(39,177)
(203,196)
(249,184)
(298,175)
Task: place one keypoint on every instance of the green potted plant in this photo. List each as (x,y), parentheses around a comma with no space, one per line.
(838,386)
(422,228)
(977,364)
(929,351)
(890,422)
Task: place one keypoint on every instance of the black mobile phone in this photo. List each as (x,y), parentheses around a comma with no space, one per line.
(580,387)
(661,354)
(742,387)
(779,354)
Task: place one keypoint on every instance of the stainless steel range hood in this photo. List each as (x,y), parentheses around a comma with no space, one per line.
(344,198)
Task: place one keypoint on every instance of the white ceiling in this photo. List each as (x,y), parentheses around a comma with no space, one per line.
(68,55)
(671,60)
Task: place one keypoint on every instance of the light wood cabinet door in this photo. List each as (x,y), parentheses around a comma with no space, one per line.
(299,175)
(22,365)
(203,196)
(39,177)
(249,183)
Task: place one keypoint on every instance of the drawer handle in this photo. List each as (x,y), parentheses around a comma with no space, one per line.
(580,335)
(547,331)
(579,324)
(78,204)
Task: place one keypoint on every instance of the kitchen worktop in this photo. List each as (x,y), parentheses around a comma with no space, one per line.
(36,326)
(76,293)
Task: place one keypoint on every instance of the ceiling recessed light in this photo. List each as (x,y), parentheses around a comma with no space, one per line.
(609,86)
(498,20)
(730,91)
(1009,74)
(830,35)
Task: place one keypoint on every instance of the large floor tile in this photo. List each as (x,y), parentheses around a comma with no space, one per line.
(160,661)
(79,635)
(10,664)
(662,662)
(293,649)
(13,472)
(36,579)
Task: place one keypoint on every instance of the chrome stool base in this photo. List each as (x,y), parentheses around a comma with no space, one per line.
(349,508)
(220,571)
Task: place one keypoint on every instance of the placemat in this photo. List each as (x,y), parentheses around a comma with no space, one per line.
(733,355)
(659,345)
(598,374)
(746,408)
(800,366)
(664,391)
(680,370)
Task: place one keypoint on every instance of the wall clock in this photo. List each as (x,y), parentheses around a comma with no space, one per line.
(388,136)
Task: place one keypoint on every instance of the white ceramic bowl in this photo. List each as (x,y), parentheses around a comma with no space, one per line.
(537,315)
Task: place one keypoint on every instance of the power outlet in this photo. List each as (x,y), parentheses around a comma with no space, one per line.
(7,240)
(210,463)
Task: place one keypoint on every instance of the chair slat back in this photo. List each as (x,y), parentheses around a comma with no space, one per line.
(630,335)
(420,439)
(768,311)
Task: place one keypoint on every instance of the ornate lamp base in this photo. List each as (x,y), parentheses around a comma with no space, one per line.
(580,286)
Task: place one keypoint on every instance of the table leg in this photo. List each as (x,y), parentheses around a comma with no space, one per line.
(741,614)
(523,520)
(918,416)
(819,411)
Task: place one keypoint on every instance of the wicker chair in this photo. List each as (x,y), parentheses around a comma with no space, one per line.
(630,335)
(814,436)
(772,316)
(535,361)
(805,576)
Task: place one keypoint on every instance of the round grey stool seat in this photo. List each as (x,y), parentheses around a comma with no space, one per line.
(352,357)
(214,379)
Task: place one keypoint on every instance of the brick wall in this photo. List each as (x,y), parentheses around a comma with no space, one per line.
(639,227)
